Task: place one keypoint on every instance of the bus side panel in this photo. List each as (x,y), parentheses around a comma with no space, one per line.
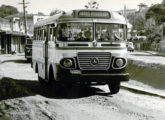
(38,58)
(52,58)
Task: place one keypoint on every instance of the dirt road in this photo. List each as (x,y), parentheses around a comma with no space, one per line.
(24,99)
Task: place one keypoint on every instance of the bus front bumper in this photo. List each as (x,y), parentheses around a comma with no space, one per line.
(106,77)
(99,77)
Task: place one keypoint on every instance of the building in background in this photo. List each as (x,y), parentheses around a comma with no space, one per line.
(12,32)
(11,40)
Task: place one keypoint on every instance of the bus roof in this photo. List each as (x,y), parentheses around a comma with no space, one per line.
(84,15)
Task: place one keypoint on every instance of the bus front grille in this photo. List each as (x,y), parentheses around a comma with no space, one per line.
(94,60)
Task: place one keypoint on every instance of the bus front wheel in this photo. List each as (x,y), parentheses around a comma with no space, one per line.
(114,87)
(42,82)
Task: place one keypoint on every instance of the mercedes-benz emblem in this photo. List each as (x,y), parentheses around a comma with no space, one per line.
(94,61)
(94,44)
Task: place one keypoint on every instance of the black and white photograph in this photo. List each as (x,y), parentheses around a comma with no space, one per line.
(82,60)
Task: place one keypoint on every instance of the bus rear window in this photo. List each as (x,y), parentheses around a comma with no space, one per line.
(75,32)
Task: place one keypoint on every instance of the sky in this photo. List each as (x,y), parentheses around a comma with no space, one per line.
(46,6)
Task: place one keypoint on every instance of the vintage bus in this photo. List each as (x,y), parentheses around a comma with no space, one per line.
(83,46)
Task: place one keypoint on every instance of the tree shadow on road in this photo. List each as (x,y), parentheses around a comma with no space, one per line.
(11,88)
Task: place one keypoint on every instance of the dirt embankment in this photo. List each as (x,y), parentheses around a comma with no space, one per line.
(152,74)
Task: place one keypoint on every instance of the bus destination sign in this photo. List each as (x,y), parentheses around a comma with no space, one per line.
(94,14)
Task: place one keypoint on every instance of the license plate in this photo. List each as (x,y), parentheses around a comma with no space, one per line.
(75,71)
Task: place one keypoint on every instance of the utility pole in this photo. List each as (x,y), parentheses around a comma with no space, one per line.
(24,11)
(24,16)
(125,26)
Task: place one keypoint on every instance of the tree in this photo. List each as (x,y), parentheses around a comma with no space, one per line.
(142,6)
(138,22)
(54,12)
(163,2)
(6,10)
(92,5)
(156,12)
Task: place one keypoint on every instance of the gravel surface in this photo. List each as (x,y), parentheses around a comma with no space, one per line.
(89,103)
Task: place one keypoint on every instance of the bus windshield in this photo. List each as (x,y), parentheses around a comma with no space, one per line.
(75,32)
(109,32)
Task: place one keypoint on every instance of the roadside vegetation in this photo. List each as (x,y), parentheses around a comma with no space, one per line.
(148,22)
(6,10)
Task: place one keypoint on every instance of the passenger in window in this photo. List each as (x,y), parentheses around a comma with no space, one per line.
(107,36)
(80,37)
(87,35)
(98,36)
(102,37)
(116,37)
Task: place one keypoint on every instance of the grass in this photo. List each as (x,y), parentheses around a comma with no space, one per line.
(10,89)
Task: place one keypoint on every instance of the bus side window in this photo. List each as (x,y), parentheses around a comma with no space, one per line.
(44,34)
(58,32)
(54,34)
(41,34)
(50,31)
(34,33)
(37,34)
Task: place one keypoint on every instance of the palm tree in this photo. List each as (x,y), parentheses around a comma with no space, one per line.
(142,6)
(93,4)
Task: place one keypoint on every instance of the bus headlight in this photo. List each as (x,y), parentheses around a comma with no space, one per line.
(67,63)
(119,62)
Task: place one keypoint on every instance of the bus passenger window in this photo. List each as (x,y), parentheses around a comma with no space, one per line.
(41,34)
(54,34)
(37,34)
(34,34)
(51,35)
(44,34)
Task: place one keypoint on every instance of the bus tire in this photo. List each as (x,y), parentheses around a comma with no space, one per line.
(52,83)
(29,60)
(36,68)
(41,81)
(114,87)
